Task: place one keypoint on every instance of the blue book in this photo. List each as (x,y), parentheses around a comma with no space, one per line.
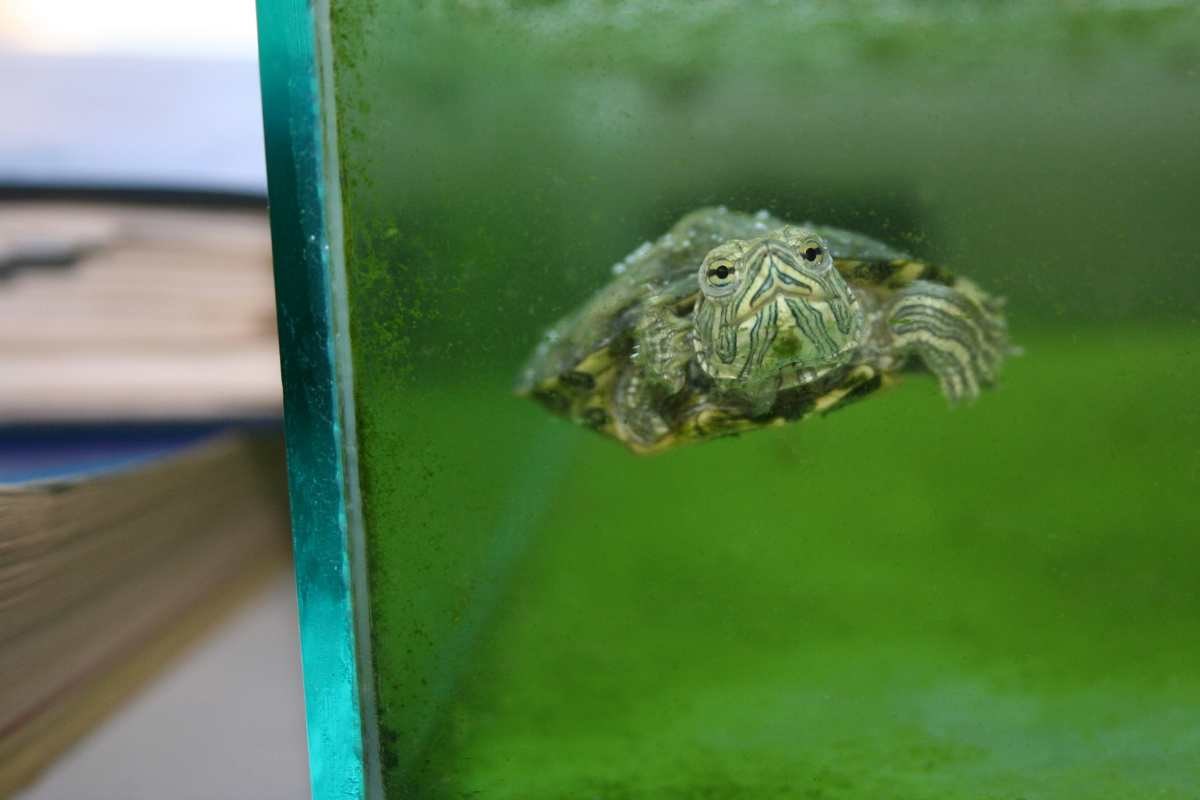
(117,546)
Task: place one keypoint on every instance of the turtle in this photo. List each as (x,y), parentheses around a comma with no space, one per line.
(731,322)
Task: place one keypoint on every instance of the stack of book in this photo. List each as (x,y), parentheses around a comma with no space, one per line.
(142,483)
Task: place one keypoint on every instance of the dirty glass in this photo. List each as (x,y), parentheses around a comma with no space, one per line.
(900,599)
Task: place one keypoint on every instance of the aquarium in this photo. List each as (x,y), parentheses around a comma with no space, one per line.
(906,598)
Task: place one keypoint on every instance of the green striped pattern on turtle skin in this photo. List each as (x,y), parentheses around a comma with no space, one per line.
(731,322)
(958,333)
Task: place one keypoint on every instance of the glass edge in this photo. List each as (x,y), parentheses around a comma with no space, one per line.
(295,63)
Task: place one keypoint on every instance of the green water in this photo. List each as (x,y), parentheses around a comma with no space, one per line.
(998,602)
(898,600)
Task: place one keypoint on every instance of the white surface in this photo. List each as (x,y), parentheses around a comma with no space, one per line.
(149,27)
(131,121)
(226,721)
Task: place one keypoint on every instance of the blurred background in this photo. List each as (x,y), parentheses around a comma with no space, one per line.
(137,329)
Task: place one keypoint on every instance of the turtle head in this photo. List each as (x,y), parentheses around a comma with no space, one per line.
(773,304)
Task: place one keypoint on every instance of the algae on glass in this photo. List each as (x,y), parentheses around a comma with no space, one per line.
(901,599)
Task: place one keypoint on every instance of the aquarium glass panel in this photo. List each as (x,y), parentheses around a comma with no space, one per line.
(750,399)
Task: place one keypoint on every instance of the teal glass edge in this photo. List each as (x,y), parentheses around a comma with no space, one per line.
(297,173)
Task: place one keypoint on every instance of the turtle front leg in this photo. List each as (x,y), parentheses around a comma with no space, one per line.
(958,332)
(637,400)
(656,371)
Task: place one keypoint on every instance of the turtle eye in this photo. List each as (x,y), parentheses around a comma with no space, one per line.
(813,252)
(720,275)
